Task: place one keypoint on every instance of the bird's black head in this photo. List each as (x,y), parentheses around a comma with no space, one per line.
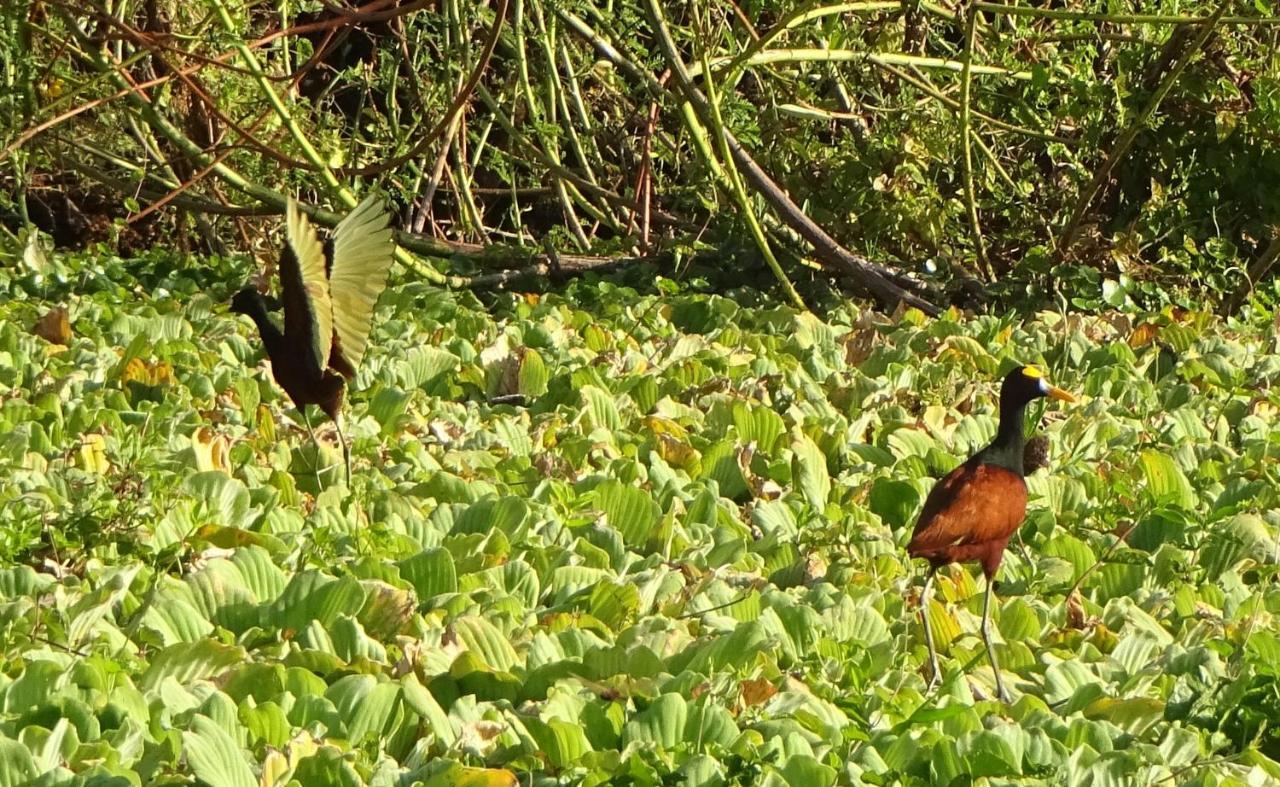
(1026,383)
(247,301)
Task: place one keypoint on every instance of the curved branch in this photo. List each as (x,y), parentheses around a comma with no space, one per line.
(876,279)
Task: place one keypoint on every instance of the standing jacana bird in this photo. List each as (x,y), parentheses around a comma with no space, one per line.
(973,511)
(328,293)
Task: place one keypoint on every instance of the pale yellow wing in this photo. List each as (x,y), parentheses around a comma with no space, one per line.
(308,311)
(362,252)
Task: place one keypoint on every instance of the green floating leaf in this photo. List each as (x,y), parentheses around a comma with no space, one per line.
(507,514)
(1165,482)
(810,473)
(486,642)
(431,572)
(188,662)
(17,766)
(804,770)
(628,509)
(94,607)
(1071,549)
(758,424)
(661,724)
(599,409)
(387,407)
(329,767)
(1240,537)
(312,596)
(720,463)
(422,702)
(614,604)
(996,752)
(365,704)
(533,375)
(561,742)
(214,756)
(422,365)
(1134,715)
(225,499)
(894,501)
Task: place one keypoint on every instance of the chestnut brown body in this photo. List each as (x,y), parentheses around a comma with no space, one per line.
(969,516)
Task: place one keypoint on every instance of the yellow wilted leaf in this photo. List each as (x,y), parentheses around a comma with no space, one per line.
(666,426)
(943,623)
(161,373)
(143,373)
(1266,410)
(134,371)
(1144,334)
(227,537)
(54,326)
(266,424)
(676,452)
(858,345)
(482,777)
(274,768)
(93,454)
(210,449)
(969,352)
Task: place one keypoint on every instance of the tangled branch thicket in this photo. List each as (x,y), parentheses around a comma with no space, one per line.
(914,151)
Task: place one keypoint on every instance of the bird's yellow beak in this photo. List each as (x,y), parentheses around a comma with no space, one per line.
(1058,393)
(1048,390)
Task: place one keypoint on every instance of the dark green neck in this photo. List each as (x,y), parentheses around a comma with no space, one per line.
(256,309)
(1006,450)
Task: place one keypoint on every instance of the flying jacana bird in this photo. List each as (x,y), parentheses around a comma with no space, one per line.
(973,511)
(328,293)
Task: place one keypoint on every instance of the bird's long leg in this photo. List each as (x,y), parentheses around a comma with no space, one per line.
(346,452)
(986,638)
(935,671)
(315,444)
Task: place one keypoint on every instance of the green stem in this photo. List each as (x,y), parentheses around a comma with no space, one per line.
(814,55)
(800,16)
(730,176)
(278,106)
(966,145)
(1123,19)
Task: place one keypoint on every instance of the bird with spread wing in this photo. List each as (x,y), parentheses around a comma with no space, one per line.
(328,292)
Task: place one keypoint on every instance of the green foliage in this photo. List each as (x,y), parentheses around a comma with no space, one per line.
(567,139)
(680,561)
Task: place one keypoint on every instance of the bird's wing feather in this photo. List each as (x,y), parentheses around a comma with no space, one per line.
(973,504)
(362,253)
(308,312)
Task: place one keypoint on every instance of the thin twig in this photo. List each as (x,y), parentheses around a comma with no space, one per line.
(966,146)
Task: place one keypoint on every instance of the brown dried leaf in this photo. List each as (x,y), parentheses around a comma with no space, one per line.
(756,691)
(54,326)
(1075,611)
